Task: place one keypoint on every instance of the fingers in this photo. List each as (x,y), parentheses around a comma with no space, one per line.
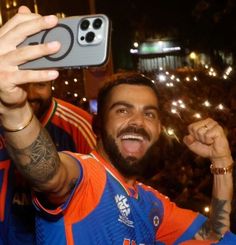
(16,78)
(205,131)
(17,19)
(11,93)
(27,53)
(18,33)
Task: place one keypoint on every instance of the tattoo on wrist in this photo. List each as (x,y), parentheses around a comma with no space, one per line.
(38,162)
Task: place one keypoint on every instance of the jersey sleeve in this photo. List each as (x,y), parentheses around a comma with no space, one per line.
(86,194)
(178,224)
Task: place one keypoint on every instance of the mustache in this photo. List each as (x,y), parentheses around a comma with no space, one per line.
(34,100)
(136,130)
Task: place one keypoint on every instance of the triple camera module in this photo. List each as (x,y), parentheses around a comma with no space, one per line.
(90,30)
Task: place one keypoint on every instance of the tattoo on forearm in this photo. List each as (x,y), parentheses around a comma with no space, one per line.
(218,220)
(219,215)
(38,162)
(205,230)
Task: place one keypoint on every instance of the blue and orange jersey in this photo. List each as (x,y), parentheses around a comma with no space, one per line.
(104,209)
(70,128)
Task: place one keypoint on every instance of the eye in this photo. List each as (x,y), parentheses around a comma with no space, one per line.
(40,85)
(122,111)
(151,114)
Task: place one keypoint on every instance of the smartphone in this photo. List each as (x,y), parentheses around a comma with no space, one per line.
(85,42)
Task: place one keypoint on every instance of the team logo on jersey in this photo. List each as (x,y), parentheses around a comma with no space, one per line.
(124,208)
(154,215)
(156,221)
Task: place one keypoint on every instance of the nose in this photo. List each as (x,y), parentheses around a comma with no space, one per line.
(29,88)
(137,119)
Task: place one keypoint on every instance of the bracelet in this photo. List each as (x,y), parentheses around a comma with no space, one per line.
(12,130)
(221,171)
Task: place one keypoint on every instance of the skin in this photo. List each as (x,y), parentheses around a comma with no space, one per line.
(54,174)
(39,95)
(124,109)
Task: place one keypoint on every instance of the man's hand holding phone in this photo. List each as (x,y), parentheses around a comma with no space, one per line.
(23,24)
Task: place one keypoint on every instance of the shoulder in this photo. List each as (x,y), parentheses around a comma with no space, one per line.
(64,106)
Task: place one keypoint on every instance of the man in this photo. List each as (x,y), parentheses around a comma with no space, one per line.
(68,125)
(95,199)
(70,128)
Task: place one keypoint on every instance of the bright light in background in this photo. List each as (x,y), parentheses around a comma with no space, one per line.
(75,80)
(206,209)
(220,107)
(187,79)
(174,103)
(133,51)
(193,55)
(170,131)
(162,78)
(135,44)
(173,110)
(197,115)
(66,83)
(177,79)
(207,103)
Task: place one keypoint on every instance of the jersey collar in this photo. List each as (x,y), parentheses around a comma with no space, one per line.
(131,190)
(49,113)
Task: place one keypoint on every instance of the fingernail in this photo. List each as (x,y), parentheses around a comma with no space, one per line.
(53,44)
(50,18)
(53,74)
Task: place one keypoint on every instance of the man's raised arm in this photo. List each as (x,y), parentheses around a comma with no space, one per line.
(28,143)
(207,139)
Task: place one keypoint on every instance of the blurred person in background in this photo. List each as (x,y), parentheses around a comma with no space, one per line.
(70,129)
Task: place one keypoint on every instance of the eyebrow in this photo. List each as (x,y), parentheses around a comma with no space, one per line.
(123,103)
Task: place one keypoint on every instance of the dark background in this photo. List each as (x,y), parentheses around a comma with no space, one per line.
(203,25)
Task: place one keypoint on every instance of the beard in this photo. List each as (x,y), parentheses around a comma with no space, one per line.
(128,166)
(42,106)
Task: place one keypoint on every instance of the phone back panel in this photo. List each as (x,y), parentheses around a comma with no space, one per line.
(84,42)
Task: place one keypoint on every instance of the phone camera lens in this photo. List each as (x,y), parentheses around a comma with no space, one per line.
(90,37)
(84,25)
(97,23)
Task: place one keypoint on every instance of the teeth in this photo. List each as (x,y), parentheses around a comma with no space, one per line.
(132,137)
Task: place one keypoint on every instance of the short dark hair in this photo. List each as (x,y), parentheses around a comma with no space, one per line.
(118,79)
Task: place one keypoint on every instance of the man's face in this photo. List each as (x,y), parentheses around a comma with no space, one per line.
(131,126)
(39,96)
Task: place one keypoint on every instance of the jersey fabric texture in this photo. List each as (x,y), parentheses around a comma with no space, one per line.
(70,129)
(104,209)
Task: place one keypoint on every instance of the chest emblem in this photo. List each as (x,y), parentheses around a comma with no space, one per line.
(124,208)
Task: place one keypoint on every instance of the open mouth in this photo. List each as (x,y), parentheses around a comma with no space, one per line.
(133,144)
